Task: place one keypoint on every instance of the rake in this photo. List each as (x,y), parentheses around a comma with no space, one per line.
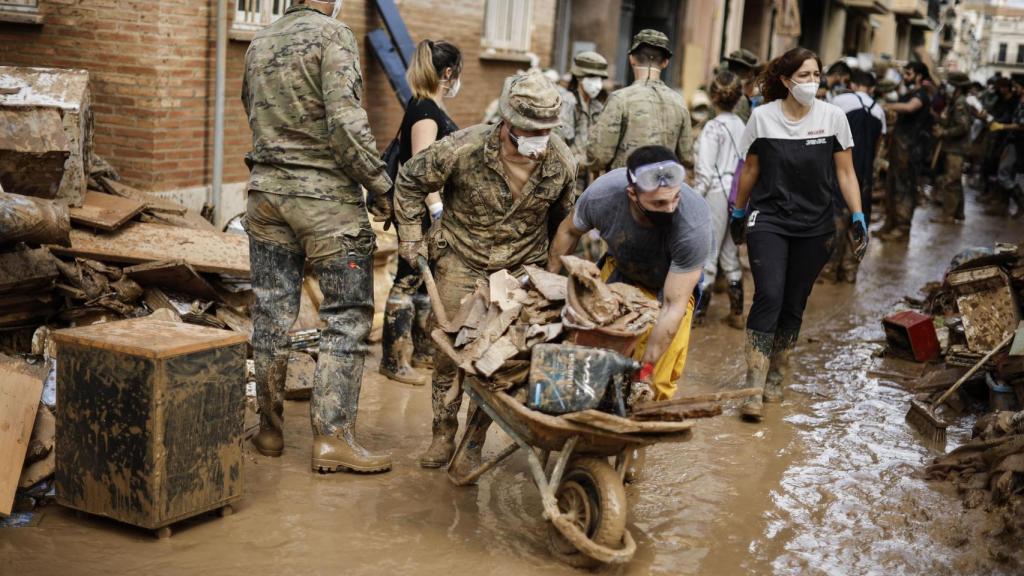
(921,415)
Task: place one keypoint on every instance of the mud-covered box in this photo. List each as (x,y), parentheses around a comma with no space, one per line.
(149,420)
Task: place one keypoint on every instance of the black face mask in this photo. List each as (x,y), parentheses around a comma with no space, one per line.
(659,219)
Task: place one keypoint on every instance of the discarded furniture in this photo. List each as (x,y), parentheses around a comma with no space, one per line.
(987,304)
(912,334)
(149,421)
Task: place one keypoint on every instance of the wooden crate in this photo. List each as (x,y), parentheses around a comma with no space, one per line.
(149,420)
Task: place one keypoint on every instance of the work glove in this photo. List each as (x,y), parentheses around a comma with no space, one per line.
(938,132)
(410,252)
(858,235)
(381,207)
(996,127)
(738,226)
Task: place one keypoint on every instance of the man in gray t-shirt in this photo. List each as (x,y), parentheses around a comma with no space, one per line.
(658,232)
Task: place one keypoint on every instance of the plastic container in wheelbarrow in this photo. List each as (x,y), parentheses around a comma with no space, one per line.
(566,378)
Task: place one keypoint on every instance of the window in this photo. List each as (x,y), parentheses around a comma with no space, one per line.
(1002,53)
(251,15)
(24,11)
(508,25)
(1020,53)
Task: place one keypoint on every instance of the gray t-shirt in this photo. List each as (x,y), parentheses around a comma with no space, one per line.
(644,255)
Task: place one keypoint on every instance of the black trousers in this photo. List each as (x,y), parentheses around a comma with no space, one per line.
(784,270)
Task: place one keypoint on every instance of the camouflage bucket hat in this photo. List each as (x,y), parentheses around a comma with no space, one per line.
(743,58)
(886,85)
(589,64)
(530,102)
(958,79)
(651,38)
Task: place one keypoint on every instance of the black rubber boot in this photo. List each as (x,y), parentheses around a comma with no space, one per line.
(396,344)
(422,344)
(736,305)
(701,312)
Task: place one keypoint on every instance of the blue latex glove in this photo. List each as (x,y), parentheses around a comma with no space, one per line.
(738,225)
(858,235)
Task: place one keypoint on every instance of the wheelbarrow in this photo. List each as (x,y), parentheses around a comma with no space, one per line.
(583,496)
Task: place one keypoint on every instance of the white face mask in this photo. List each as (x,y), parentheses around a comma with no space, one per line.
(804,93)
(592,86)
(531,146)
(453,88)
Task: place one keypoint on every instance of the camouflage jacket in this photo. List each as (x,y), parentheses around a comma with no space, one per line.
(742,108)
(956,126)
(481,222)
(302,90)
(646,113)
(577,125)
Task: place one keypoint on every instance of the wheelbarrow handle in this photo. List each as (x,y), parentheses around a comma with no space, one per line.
(435,297)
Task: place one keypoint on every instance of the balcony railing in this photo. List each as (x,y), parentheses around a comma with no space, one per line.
(24,11)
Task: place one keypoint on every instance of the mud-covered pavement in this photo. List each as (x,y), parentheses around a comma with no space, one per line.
(823,486)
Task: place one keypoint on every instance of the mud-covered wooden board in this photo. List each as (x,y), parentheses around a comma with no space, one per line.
(148,338)
(26,271)
(19,400)
(619,425)
(105,211)
(139,242)
(174,274)
(152,203)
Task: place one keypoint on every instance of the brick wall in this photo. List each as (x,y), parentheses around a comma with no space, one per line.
(152,75)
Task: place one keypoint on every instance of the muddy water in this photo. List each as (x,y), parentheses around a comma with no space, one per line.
(824,486)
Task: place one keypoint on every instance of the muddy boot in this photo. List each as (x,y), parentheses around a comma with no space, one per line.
(276,282)
(442,446)
(736,305)
(422,344)
(332,454)
(469,459)
(778,365)
(758,349)
(396,344)
(701,312)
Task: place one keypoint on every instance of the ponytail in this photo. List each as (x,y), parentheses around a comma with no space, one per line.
(428,65)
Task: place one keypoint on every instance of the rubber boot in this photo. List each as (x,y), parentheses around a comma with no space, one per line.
(477,423)
(276,282)
(332,454)
(422,344)
(758,349)
(778,365)
(442,445)
(701,312)
(396,344)
(736,304)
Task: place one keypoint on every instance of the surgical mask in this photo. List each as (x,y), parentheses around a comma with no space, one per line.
(530,146)
(804,93)
(453,88)
(591,86)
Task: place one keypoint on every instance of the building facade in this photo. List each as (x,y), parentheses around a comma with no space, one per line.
(152,72)
(988,39)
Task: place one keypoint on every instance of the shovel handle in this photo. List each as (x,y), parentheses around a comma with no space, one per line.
(956,386)
(435,297)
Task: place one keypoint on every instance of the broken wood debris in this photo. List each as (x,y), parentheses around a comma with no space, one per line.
(105,211)
(33,221)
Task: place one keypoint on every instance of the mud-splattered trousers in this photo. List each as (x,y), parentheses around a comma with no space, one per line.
(336,238)
(901,183)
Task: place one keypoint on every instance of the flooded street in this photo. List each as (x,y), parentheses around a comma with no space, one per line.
(823,486)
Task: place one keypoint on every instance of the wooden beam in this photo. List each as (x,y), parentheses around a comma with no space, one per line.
(106,211)
(19,401)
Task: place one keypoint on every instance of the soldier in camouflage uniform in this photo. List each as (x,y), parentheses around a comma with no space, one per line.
(953,130)
(646,113)
(581,108)
(312,149)
(744,64)
(504,187)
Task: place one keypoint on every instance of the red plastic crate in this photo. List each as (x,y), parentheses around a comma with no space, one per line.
(912,334)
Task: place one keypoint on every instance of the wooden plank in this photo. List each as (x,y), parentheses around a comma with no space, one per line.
(619,425)
(26,309)
(27,271)
(153,204)
(174,274)
(106,211)
(19,400)
(187,220)
(139,242)
(148,338)
(698,399)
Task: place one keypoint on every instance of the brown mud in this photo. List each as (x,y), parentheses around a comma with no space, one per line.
(824,486)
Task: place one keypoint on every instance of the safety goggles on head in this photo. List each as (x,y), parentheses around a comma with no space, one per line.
(650,177)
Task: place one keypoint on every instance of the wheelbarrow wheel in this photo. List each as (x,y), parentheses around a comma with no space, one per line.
(592,496)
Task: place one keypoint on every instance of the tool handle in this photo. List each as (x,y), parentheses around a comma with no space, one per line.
(435,298)
(956,385)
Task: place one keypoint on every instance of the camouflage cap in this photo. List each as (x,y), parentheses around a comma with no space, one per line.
(589,64)
(885,86)
(651,38)
(530,102)
(958,79)
(743,58)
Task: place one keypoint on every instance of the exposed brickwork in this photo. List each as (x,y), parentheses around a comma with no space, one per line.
(152,75)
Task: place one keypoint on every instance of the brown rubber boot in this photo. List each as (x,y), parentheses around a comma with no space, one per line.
(442,446)
(396,344)
(422,344)
(269,442)
(778,365)
(736,305)
(332,454)
(758,349)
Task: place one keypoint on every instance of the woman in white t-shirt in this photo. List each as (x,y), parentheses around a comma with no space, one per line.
(797,154)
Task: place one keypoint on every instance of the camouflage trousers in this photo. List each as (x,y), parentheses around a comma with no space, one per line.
(283,232)
(951,187)
(901,186)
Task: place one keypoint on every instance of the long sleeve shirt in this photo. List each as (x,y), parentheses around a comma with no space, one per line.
(718,153)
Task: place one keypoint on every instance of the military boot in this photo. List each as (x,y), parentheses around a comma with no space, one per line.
(758,349)
(701,312)
(396,344)
(778,365)
(736,304)
(442,445)
(276,282)
(422,344)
